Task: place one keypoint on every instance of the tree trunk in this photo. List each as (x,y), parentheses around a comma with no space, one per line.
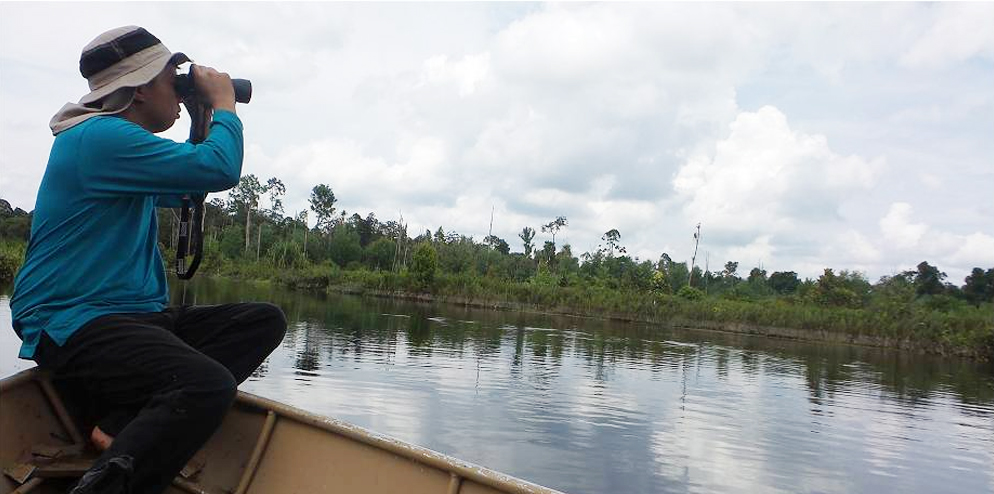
(693,258)
(396,254)
(258,243)
(248,224)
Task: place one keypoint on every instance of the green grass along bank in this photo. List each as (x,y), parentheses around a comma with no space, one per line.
(897,320)
(908,324)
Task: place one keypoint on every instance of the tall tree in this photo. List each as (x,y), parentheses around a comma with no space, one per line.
(664,263)
(928,279)
(527,235)
(846,289)
(693,258)
(784,282)
(397,231)
(367,228)
(302,218)
(978,287)
(276,191)
(246,196)
(498,244)
(215,214)
(554,226)
(344,248)
(730,268)
(323,204)
(547,254)
(757,275)
(679,275)
(565,261)
(613,239)
(379,254)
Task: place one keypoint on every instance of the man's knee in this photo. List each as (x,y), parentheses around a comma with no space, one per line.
(207,401)
(226,387)
(210,383)
(270,323)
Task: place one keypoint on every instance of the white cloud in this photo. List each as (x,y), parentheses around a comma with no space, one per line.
(757,252)
(898,229)
(950,249)
(419,172)
(836,37)
(567,45)
(856,250)
(975,249)
(514,142)
(958,33)
(465,74)
(614,114)
(767,178)
(910,243)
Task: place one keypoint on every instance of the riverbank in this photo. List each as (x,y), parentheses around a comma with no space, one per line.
(852,336)
(890,320)
(961,331)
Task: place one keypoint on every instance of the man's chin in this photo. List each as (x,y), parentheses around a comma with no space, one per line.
(165,126)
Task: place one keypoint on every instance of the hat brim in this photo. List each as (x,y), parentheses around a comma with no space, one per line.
(138,77)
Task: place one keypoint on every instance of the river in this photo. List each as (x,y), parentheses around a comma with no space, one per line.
(592,406)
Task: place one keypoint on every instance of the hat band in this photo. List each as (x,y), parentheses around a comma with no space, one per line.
(103,56)
(135,62)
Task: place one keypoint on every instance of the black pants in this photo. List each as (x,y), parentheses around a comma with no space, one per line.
(160,383)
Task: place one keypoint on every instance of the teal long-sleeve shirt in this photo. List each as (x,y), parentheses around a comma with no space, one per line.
(93,248)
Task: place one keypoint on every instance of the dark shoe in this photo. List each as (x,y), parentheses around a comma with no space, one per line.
(113,477)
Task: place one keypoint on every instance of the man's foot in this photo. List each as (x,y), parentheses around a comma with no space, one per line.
(113,477)
(100,439)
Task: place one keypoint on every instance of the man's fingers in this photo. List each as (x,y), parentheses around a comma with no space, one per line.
(214,86)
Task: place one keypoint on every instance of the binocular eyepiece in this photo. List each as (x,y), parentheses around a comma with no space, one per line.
(185,87)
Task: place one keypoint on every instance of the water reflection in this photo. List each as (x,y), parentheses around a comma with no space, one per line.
(587,405)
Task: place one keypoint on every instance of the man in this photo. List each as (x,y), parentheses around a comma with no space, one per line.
(90,301)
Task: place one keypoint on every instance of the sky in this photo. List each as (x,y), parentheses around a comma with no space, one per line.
(800,136)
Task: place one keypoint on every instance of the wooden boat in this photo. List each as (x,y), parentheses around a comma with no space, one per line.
(263,447)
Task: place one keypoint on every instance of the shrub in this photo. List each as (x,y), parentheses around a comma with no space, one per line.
(380,253)
(690,293)
(424,264)
(11,259)
(314,277)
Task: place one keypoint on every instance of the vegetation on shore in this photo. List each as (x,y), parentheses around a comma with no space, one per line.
(894,316)
(915,309)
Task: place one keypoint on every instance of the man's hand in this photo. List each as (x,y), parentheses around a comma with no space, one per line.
(215,87)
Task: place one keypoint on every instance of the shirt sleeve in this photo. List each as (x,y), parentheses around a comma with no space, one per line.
(118,157)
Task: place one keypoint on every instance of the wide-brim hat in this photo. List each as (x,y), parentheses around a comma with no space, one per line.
(127,56)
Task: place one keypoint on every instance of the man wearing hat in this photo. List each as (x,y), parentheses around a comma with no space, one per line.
(90,301)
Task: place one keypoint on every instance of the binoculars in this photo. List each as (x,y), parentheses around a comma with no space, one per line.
(185,87)
(191,226)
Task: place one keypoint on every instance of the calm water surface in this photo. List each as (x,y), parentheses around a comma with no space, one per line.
(589,406)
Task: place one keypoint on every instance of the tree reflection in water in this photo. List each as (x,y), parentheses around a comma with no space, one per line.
(661,408)
(358,325)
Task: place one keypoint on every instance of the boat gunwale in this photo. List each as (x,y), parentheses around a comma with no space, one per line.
(462,468)
(16,379)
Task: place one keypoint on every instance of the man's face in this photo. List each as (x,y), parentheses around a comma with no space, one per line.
(161,104)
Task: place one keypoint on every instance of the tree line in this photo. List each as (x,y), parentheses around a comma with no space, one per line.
(238,230)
